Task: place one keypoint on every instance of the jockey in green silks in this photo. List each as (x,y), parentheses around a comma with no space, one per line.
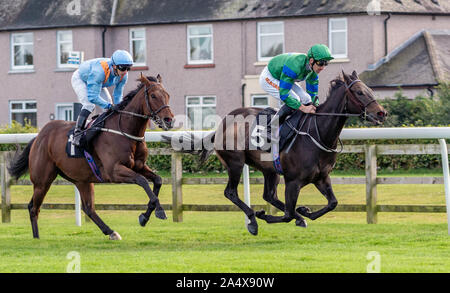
(279,77)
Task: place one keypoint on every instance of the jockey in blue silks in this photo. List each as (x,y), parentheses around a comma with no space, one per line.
(92,78)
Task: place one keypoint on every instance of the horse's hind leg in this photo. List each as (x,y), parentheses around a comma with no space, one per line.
(234,175)
(271,180)
(157,183)
(41,185)
(87,199)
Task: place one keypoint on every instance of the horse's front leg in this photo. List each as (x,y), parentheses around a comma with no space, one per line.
(324,186)
(291,194)
(123,174)
(157,183)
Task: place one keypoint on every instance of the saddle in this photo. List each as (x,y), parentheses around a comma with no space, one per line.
(88,135)
(261,131)
(261,134)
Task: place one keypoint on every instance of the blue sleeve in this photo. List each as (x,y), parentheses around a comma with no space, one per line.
(118,90)
(94,87)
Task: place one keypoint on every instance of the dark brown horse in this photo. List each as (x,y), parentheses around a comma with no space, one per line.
(306,162)
(120,158)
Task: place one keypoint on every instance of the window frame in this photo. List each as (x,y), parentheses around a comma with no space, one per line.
(330,38)
(259,96)
(200,105)
(144,39)
(58,48)
(11,111)
(21,67)
(58,105)
(259,35)
(188,38)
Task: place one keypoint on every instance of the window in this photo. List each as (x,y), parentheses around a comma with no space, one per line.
(200,44)
(338,37)
(201,112)
(23,112)
(137,45)
(64,47)
(22,51)
(64,112)
(260,101)
(270,39)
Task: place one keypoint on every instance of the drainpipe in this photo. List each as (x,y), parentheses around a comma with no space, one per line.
(103,41)
(385,34)
(243,94)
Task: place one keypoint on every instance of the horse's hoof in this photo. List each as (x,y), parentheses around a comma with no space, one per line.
(143,220)
(114,236)
(160,214)
(260,214)
(304,211)
(252,227)
(301,223)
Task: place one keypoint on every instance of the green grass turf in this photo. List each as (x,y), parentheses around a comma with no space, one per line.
(219,241)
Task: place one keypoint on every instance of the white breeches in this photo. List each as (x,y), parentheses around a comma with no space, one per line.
(272,85)
(80,88)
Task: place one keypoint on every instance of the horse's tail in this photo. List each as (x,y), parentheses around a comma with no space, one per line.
(19,164)
(191,144)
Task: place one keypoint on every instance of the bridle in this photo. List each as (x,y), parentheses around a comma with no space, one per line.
(153,116)
(348,96)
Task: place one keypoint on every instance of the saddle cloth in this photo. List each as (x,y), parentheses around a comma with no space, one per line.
(91,132)
(261,134)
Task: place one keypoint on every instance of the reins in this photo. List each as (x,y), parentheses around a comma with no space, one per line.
(349,95)
(153,116)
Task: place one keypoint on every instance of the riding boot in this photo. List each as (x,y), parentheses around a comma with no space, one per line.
(278,119)
(81,121)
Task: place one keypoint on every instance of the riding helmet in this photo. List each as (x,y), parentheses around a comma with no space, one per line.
(320,52)
(122,57)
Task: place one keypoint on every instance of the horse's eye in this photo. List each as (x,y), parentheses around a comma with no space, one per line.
(360,93)
(153,96)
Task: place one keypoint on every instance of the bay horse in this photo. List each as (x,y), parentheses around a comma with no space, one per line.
(120,156)
(304,163)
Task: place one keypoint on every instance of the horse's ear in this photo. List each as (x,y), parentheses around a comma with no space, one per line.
(143,79)
(354,74)
(347,79)
(159,78)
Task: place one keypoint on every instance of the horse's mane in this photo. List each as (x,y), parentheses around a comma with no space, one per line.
(127,99)
(335,84)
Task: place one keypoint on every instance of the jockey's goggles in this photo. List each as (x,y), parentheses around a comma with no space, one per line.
(124,67)
(322,63)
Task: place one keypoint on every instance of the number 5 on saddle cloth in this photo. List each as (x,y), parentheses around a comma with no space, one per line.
(260,134)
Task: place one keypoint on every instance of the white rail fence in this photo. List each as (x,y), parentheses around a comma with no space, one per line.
(371,180)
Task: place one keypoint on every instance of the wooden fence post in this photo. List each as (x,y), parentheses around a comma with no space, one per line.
(371,183)
(6,183)
(177,194)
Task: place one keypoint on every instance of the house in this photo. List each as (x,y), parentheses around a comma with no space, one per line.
(209,52)
(416,66)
